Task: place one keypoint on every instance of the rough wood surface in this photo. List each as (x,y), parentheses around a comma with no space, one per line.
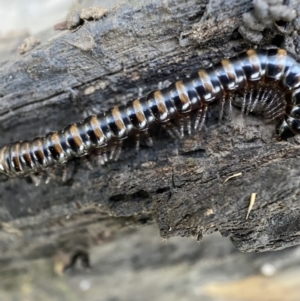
(177,184)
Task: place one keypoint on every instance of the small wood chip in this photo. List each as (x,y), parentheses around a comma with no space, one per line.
(233,176)
(251,203)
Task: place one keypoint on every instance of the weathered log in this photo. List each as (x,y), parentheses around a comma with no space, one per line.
(177,184)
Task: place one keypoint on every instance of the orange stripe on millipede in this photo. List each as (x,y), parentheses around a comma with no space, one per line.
(159,100)
(75,136)
(281,59)
(254,61)
(38,150)
(15,150)
(139,112)
(182,94)
(56,144)
(229,69)
(118,119)
(25,153)
(96,128)
(204,77)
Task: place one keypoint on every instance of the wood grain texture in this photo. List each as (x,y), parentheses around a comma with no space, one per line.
(177,184)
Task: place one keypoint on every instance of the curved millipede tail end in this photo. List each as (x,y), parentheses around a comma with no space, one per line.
(282,131)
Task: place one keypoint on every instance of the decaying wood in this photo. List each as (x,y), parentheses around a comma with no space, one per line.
(180,185)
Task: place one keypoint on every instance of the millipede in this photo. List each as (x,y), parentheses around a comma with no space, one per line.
(264,79)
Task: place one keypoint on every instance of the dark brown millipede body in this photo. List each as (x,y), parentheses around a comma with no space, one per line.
(266,78)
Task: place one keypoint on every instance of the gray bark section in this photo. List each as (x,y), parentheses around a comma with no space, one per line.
(177,184)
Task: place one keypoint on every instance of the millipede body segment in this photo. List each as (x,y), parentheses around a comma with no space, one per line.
(269,79)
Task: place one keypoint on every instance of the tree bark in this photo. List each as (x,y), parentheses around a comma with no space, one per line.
(180,185)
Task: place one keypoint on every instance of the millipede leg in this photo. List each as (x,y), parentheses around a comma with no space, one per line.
(112,152)
(137,142)
(48,179)
(171,130)
(175,130)
(249,104)
(244,102)
(166,128)
(102,156)
(87,163)
(276,112)
(230,107)
(198,117)
(105,158)
(203,118)
(188,124)
(149,140)
(36,179)
(255,102)
(222,109)
(118,150)
(270,112)
(100,159)
(265,97)
(64,173)
(279,114)
(51,175)
(274,98)
(181,127)
(185,123)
